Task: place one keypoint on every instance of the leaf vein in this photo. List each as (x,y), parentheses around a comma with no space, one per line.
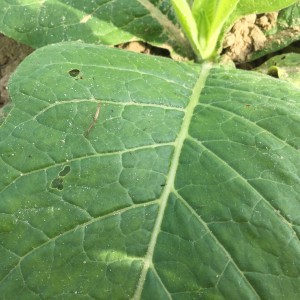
(85,157)
(248,182)
(216,240)
(78,226)
(243,119)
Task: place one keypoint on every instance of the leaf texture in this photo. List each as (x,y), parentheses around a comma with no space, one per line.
(131,177)
(108,22)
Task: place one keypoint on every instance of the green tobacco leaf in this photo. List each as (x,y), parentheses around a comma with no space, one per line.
(210,17)
(284,66)
(187,21)
(256,6)
(39,23)
(131,177)
(289,16)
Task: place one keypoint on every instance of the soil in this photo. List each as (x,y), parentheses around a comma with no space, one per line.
(145,48)
(11,55)
(247,36)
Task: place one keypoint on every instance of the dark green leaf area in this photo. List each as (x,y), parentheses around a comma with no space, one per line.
(65,171)
(148,179)
(194,251)
(144,173)
(57,183)
(263,135)
(67,20)
(99,160)
(289,16)
(59,131)
(92,21)
(91,270)
(147,84)
(22,19)
(239,176)
(94,187)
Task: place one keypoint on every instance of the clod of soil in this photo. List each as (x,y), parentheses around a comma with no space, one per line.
(138,47)
(246,36)
(266,21)
(11,55)
(142,47)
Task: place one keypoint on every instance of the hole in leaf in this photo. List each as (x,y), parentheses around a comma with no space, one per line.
(57,183)
(74,72)
(273,71)
(65,171)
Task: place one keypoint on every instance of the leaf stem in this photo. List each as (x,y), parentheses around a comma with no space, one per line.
(183,134)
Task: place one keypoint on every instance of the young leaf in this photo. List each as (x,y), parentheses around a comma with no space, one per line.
(214,18)
(210,17)
(187,21)
(142,178)
(39,23)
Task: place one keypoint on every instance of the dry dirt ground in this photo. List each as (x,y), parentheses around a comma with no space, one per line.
(11,55)
(247,36)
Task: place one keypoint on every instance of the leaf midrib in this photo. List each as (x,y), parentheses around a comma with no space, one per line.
(183,134)
(174,31)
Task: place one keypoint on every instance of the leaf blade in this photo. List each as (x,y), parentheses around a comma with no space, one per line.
(231,212)
(100,22)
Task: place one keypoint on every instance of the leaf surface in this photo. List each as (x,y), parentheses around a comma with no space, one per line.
(131,177)
(39,23)
(283,66)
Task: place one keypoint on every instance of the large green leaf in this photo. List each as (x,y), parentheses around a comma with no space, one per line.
(127,176)
(109,22)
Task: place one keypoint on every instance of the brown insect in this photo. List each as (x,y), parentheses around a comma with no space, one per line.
(95,118)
